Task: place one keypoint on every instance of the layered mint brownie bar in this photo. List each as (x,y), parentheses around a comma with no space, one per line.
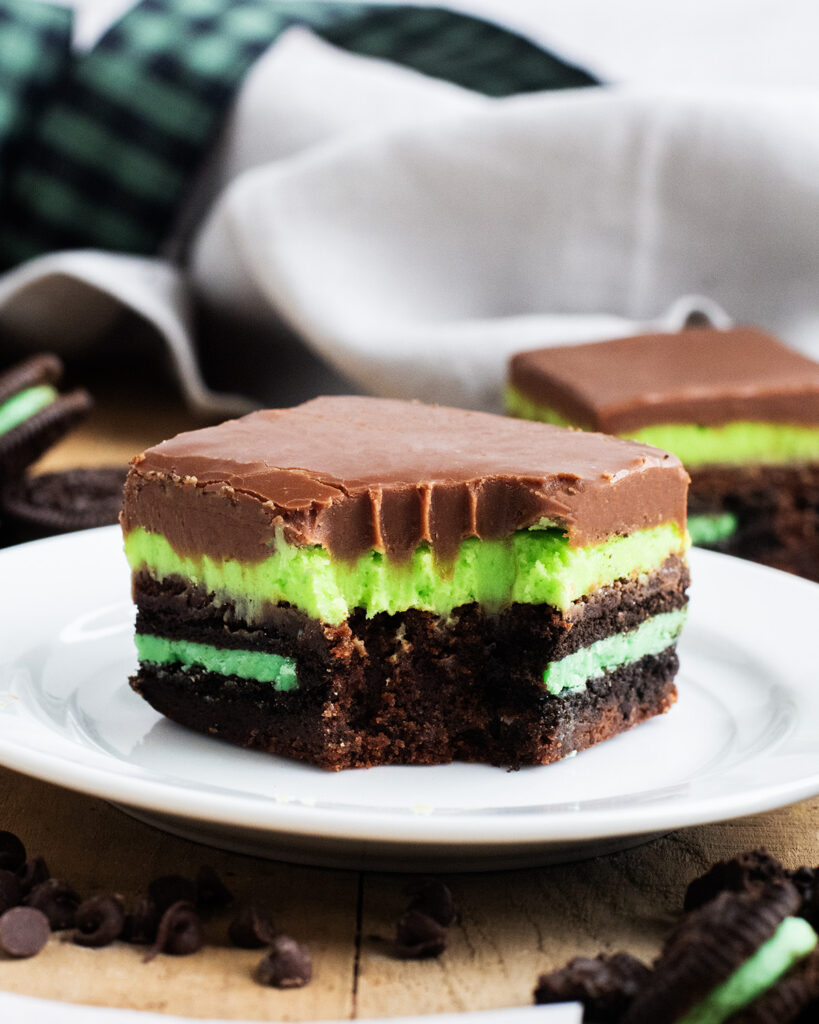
(358,581)
(738,407)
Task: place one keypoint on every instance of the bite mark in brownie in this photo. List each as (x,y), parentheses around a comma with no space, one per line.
(465,557)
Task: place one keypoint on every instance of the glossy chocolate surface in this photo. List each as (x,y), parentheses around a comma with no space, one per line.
(356,474)
(700,375)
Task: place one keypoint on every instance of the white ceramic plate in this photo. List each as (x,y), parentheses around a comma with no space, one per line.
(27,1010)
(744,736)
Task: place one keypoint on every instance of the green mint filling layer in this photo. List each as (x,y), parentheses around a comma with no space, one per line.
(612,652)
(793,940)
(569,674)
(737,443)
(24,405)
(265,668)
(534,566)
(712,528)
(524,408)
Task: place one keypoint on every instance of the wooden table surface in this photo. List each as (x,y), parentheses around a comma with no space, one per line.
(513,924)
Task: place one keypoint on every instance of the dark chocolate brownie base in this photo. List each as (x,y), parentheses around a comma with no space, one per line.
(777,510)
(433,720)
(412,687)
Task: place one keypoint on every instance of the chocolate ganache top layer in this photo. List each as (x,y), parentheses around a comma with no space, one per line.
(701,375)
(356,474)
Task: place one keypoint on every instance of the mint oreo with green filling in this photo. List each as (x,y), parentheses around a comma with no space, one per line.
(739,408)
(34,415)
(358,581)
(725,956)
(73,499)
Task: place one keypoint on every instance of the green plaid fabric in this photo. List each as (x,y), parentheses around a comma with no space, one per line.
(108,155)
(35,55)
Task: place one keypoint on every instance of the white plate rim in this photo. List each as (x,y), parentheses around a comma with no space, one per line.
(469,828)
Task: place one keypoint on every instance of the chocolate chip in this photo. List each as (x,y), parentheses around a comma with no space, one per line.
(251,930)
(432,898)
(170,889)
(57,900)
(142,923)
(10,893)
(179,933)
(211,891)
(12,851)
(99,921)
(287,965)
(419,936)
(32,873)
(23,931)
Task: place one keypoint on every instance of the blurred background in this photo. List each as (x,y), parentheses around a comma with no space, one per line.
(226,203)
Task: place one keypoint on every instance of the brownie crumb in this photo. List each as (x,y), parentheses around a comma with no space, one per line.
(57,900)
(179,932)
(23,931)
(99,921)
(287,965)
(605,985)
(12,851)
(11,893)
(250,930)
(433,898)
(419,936)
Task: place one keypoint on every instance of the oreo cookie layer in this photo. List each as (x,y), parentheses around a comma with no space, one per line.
(708,947)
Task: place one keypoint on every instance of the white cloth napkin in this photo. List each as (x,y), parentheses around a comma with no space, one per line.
(415,234)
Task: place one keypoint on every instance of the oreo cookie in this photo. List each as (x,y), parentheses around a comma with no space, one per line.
(605,985)
(710,945)
(794,1000)
(33,414)
(742,873)
(73,499)
(747,954)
